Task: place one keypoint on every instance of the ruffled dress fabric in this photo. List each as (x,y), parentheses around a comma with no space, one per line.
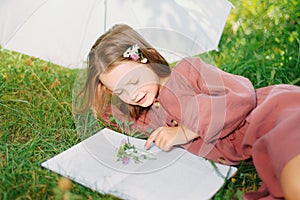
(235,122)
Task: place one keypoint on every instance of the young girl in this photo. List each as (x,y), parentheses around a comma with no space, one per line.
(209,112)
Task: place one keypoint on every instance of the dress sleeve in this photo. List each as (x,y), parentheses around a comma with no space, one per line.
(220,101)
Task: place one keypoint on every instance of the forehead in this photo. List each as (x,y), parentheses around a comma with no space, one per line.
(123,72)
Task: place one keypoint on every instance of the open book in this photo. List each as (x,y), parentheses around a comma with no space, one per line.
(152,174)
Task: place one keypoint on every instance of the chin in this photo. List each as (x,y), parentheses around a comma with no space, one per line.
(148,102)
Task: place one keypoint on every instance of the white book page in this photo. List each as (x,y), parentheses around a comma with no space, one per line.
(176,174)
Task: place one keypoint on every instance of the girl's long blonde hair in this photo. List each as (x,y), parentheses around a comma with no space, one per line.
(106,53)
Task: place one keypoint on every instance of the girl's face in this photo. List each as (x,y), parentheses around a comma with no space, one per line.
(134,83)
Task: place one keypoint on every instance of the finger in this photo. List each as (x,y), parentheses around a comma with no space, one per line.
(152,138)
(165,145)
(149,142)
(167,148)
(161,142)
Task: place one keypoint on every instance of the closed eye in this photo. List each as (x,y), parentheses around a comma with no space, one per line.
(134,81)
(117,92)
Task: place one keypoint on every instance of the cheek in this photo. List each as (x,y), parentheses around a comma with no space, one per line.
(125,97)
(153,88)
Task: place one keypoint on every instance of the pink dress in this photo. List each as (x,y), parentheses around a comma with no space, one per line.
(234,121)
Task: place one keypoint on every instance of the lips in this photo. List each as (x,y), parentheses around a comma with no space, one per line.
(141,98)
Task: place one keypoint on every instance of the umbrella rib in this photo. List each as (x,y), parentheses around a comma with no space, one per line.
(105,14)
(17,29)
(86,25)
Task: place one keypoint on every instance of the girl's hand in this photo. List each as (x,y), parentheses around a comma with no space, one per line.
(166,137)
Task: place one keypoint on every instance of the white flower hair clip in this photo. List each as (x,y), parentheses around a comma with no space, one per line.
(134,53)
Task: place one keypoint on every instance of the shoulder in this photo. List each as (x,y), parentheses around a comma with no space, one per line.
(186,73)
(187,63)
(191,67)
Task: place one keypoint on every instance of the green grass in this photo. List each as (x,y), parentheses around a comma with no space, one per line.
(260,41)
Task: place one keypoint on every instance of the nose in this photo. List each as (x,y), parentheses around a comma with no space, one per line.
(134,96)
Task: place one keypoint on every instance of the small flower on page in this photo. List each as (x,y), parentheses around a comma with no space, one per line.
(124,141)
(126,151)
(125,160)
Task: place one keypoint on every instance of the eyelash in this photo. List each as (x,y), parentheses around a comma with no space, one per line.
(134,81)
(118,92)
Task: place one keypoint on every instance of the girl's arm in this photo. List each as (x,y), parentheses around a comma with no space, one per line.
(165,137)
(220,102)
(217,104)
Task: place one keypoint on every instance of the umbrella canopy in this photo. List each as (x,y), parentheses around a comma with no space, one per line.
(63,31)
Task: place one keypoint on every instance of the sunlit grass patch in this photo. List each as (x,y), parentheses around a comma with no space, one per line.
(36,123)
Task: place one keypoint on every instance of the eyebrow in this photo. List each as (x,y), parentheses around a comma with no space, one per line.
(117,91)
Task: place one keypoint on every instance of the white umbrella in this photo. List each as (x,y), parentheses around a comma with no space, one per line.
(63,31)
